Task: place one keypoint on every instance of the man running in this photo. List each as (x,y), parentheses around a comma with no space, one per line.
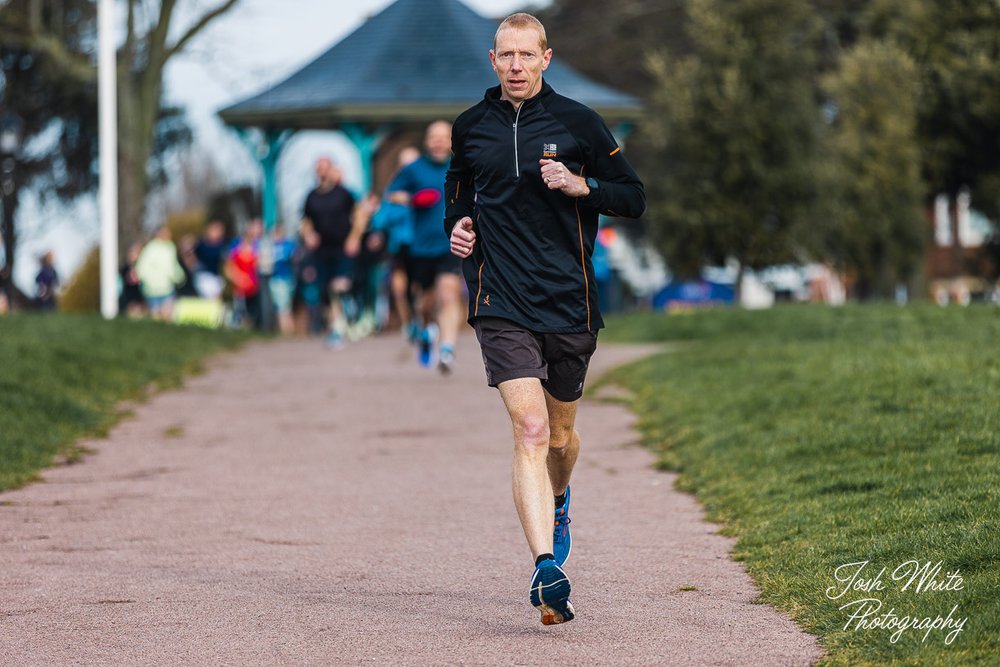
(432,267)
(531,171)
(329,210)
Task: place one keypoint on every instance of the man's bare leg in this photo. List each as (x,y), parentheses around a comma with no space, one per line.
(448,293)
(425,306)
(550,587)
(339,289)
(564,442)
(400,285)
(525,401)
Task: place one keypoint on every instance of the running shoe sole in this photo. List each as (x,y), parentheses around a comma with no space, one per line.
(550,595)
(555,616)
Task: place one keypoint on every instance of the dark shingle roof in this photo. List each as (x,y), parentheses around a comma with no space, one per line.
(415,60)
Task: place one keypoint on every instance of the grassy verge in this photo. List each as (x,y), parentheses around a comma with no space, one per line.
(824,437)
(63,376)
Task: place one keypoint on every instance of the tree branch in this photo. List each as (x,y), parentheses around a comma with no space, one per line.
(130,32)
(198,27)
(50,46)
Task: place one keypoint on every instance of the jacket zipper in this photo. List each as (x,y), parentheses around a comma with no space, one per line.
(517,167)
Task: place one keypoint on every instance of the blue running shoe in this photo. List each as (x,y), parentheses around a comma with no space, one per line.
(334,341)
(425,352)
(413,332)
(446,360)
(550,593)
(562,541)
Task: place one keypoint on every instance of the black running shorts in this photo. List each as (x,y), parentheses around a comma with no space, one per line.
(559,360)
(424,271)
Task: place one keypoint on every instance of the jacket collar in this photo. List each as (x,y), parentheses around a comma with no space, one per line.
(493,95)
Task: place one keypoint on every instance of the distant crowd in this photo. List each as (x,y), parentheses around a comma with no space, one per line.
(350,267)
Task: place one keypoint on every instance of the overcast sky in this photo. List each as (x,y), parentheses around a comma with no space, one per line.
(255,45)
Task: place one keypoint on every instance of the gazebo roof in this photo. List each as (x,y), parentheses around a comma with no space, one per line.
(414,61)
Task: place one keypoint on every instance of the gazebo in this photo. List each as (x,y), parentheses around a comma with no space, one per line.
(414,62)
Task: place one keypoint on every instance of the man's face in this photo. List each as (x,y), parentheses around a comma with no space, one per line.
(255,229)
(215,232)
(438,141)
(519,61)
(326,172)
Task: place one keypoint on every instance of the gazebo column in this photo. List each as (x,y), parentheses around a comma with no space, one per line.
(366,142)
(266,147)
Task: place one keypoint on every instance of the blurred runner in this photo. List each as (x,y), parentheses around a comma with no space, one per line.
(433,270)
(329,210)
(241,268)
(282,282)
(394,223)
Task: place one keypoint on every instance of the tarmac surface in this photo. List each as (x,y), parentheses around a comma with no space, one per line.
(294,506)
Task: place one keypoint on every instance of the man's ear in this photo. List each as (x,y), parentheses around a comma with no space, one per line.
(546,58)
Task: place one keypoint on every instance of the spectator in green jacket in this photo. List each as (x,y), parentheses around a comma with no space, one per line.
(160,273)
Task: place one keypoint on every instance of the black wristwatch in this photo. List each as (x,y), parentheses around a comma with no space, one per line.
(592,183)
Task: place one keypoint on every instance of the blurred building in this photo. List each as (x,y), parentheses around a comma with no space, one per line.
(961,259)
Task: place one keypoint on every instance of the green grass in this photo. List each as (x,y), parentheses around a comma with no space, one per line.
(63,376)
(821,437)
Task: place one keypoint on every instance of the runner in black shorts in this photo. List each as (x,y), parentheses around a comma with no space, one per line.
(329,212)
(558,360)
(432,268)
(530,172)
(424,271)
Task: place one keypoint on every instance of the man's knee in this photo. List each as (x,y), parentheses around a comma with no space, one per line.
(340,285)
(560,437)
(532,430)
(448,287)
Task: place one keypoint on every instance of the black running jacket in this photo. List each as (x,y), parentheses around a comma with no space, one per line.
(531,261)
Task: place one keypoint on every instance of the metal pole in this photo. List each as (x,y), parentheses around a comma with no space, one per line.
(107,67)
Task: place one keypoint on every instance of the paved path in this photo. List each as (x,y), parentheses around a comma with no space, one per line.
(294,506)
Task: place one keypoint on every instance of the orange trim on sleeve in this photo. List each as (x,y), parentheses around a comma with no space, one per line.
(614,151)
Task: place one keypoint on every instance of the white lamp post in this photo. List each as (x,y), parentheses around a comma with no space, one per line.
(108,123)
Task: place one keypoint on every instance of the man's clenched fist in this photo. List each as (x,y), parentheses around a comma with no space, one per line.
(462,238)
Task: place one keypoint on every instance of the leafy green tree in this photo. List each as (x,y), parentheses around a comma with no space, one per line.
(609,42)
(734,130)
(956,46)
(874,183)
(64,31)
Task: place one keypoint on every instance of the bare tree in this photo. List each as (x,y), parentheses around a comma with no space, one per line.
(45,27)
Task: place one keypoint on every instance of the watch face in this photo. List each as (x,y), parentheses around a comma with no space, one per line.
(592,183)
